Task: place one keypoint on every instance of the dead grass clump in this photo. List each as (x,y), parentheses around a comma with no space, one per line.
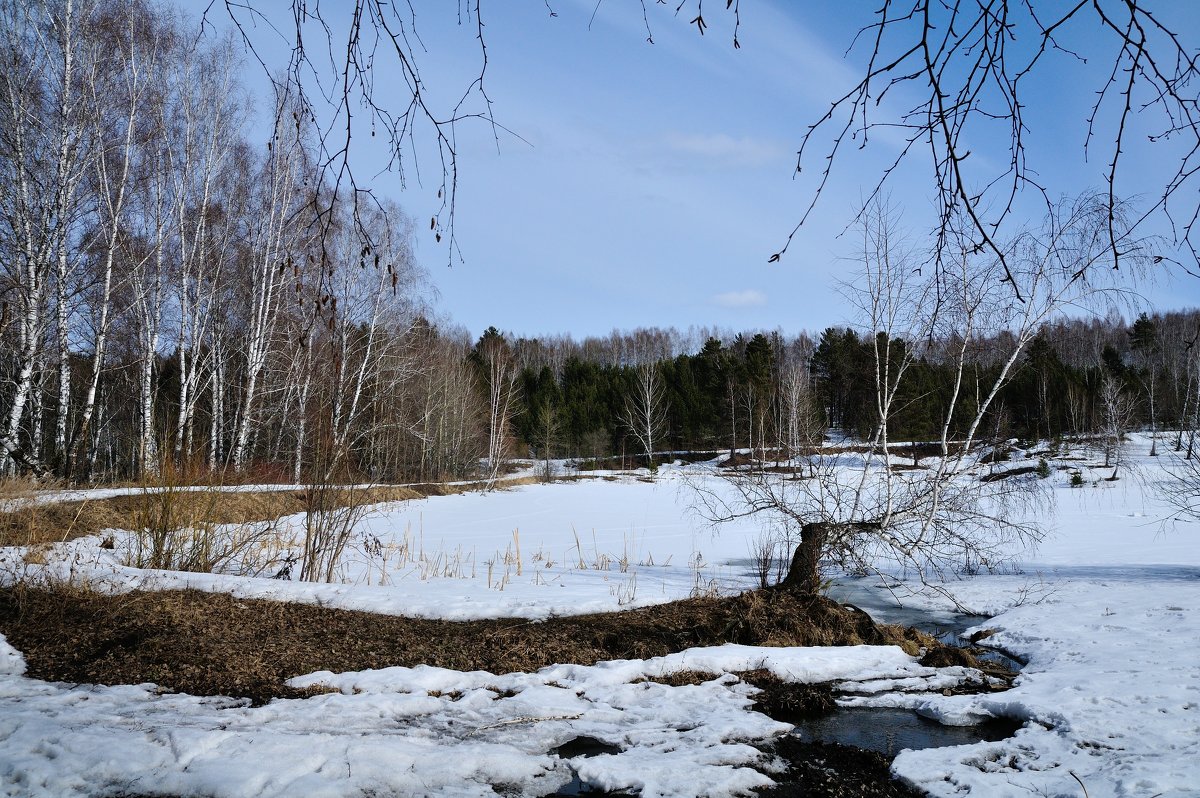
(44,524)
(785,701)
(681,678)
(947,657)
(209,506)
(20,487)
(214,644)
(789,701)
(173,508)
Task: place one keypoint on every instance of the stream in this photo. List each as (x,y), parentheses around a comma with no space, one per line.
(886,731)
(890,731)
(946,625)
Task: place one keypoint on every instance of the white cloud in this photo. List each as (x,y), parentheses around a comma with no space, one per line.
(749,298)
(741,151)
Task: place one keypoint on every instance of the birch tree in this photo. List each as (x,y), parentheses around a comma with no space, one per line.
(148,267)
(1116,410)
(117,94)
(274,246)
(47,55)
(498,374)
(206,107)
(645,411)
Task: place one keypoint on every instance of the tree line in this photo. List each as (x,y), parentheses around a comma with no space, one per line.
(766,391)
(175,294)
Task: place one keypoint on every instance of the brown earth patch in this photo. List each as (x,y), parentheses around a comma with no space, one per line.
(829,770)
(784,701)
(996,476)
(214,644)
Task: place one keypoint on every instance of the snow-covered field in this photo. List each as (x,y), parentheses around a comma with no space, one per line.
(1106,612)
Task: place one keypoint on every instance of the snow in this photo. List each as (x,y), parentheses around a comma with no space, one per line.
(1105,612)
(1111,693)
(11,661)
(530,552)
(419,731)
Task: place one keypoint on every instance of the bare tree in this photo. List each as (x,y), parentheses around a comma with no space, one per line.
(498,373)
(1116,408)
(117,94)
(208,105)
(447,428)
(44,153)
(939,74)
(273,252)
(329,76)
(973,68)
(645,411)
(861,508)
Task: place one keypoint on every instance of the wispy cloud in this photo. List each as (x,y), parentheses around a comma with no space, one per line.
(749,298)
(739,151)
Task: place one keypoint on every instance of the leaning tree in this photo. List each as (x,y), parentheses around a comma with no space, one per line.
(860,506)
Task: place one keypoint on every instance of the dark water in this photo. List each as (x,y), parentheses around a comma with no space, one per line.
(946,625)
(889,731)
(584,746)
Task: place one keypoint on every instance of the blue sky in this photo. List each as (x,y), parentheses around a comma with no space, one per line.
(651,183)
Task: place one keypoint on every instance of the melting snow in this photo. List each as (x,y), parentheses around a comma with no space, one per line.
(1106,613)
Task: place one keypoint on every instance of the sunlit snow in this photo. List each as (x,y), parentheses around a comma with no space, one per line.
(1106,613)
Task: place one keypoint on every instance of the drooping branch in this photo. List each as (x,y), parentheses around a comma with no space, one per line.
(972,64)
(330,84)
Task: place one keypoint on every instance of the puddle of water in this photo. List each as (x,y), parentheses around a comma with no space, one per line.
(889,731)
(584,746)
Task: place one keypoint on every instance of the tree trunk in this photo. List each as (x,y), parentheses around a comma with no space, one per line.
(804,575)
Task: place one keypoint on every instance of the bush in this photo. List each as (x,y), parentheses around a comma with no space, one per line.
(1043,469)
(1076,479)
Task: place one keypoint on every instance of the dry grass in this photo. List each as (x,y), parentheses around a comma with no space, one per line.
(786,701)
(40,525)
(19,487)
(214,644)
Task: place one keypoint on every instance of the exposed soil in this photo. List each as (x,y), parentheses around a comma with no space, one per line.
(829,770)
(214,644)
(996,476)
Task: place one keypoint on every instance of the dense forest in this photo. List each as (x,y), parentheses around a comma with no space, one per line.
(176,294)
(766,390)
